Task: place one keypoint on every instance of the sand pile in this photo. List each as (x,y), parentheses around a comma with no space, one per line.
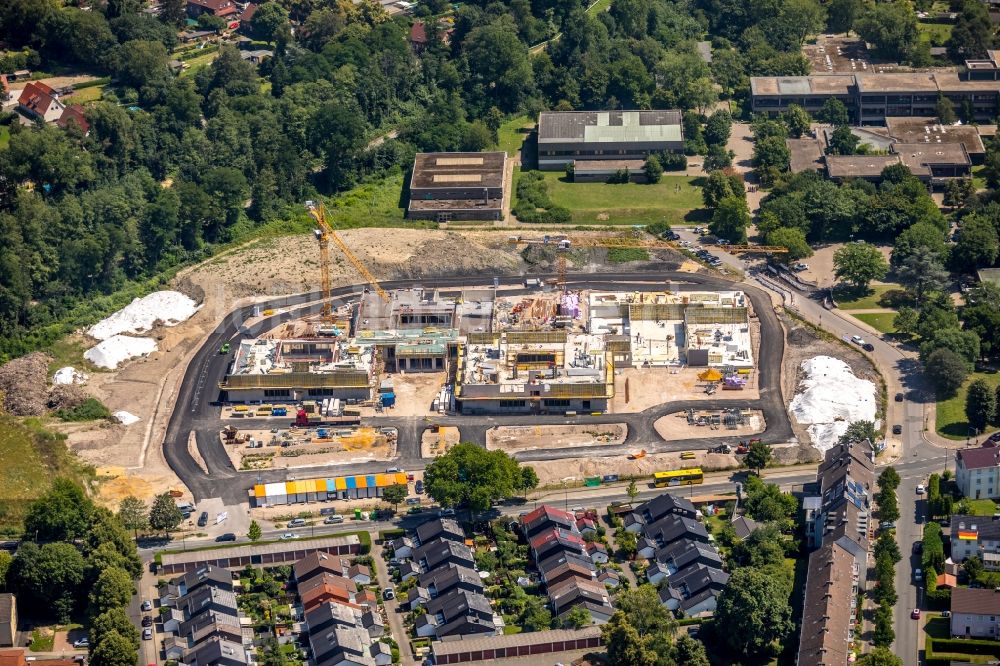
(24,384)
(116,349)
(168,307)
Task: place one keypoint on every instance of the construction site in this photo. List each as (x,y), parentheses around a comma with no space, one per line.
(295,447)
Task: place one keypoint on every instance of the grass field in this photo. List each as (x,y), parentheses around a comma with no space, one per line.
(978,180)
(848,300)
(85,95)
(951,421)
(4,136)
(30,457)
(670,200)
(880,321)
(513,133)
(981,507)
(937,34)
(376,204)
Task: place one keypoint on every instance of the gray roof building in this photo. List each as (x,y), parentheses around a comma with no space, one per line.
(566,136)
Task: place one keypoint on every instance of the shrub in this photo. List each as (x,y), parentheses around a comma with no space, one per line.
(90,409)
(673,161)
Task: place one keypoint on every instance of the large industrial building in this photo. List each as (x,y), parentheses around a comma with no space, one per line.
(870,97)
(587,138)
(457,186)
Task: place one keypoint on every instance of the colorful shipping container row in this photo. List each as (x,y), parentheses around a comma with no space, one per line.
(361,486)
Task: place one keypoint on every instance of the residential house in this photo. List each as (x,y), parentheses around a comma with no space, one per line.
(329,615)
(680,556)
(204,600)
(360,574)
(744,527)
(38,100)
(443,580)
(381,653)
(656,509)
(458,613)
(327,579)
(667,530)
(341,646)
(206,575)
(440,552)
(977,471)
(694,590)
(440,528)
(565,565)
(598,552)
(8,620)
(372,622)
(73,114)
(609,578)
(975,613)
(591,595)
(320,562)
(224,9)
(203,627)
(976,536)
(837,523)
(545,518)
(366,599)
(402,547)
(325,593)
(556,540)
(409,569)
(246,18)
(216,651)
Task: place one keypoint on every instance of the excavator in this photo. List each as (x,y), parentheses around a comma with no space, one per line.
(324,232)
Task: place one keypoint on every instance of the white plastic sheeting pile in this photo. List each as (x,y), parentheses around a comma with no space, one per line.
(125,418)
(170,307)
(830,398)
(69,375)
(119,348)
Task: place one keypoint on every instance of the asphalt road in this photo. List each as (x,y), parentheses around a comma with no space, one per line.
(194,411)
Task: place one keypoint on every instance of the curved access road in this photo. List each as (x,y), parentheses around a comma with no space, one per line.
(194,411)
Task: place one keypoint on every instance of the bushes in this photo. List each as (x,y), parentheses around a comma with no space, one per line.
(933,558)
(533,202)
(90,409)
(673,161)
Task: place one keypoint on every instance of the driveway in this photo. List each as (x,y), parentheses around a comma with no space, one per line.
(392,610)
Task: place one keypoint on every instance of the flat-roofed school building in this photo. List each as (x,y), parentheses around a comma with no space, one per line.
(457,186)
(588,136)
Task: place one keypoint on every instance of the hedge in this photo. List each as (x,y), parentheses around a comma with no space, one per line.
(391,534)
(965,646)
(103,81)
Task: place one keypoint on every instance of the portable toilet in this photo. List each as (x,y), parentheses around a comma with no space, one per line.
(357,514)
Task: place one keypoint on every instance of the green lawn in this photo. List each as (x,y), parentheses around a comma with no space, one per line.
(937,34)
(848,300)
(4,136)
(880,321)
(981,507)
(376,204)
(951,421)
(513,133)
(978,180)
(85,95)
(670,200)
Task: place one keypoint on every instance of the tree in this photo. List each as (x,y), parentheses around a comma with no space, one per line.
(797,119)
(884,634)
(957,191)
(472,477)
(859,431)
(115,619)
(653,169)
(794,240)
(946,370)
(762,548)
(758,456)
(113,589)
(972,34)
(859,264)
(632,491)
(61,514)
(922,235)
(133,515)
(652,623)
(833,112)
(880,656)
(529,479)
(731,219)
(906,320)
(964,343)
(718,157)
(395,494)
(624,645)
(752,613)
(164,514)
(888,505)
(891,27)
(49,575)
(840,14)
(889,477)
(578,618)
(766,502)
(770,157)
(980,405)
(843,142)
(114,650)
(719,186)
(977,246)
(499,70)
(922,271)
(254,532)
(172,12)
(5,559)
(268,21)
(718,128)
(973,567)
(945,110)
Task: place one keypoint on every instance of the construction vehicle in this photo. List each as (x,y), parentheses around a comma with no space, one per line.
(637,456)
(224,349)
(564,243)
(324,233)
(721,448)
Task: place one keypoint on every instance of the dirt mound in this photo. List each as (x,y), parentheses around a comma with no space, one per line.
(800,336)
(66,396)
(24,384)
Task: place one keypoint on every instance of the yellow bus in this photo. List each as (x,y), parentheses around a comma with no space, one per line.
(680,477)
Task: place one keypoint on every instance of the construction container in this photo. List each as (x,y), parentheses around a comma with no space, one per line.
(388,399)
(279,411)
(592,481)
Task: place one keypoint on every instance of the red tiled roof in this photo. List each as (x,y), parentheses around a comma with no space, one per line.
(37,97)
(217,7)
(3,83)
(549,512)
(552,535)
(981,457)
(74,114)
(12,657)
(248,13)
(418,33)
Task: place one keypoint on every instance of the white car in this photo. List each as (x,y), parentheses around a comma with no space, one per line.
(920,489)
(858,340)
(289,535)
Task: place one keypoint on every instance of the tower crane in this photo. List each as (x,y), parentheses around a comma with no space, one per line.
(564,243)
(324,232)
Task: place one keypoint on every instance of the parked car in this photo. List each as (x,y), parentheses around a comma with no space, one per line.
(289,535)
(858,340)
(918,547)
(203,519)
(946,613)
(920,489)
(329,511)
(446,512)
(799,267)
(147,634)
(297,522)
(899,397)
(388,593)
(81,642)
(147,621)
(897,429)
(868,347)
(918,575)
(228,536)
(419,487)
(147,605)
(333,520)
(915,614)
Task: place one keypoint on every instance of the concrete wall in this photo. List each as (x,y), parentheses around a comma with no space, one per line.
(256,395)
(487,407)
